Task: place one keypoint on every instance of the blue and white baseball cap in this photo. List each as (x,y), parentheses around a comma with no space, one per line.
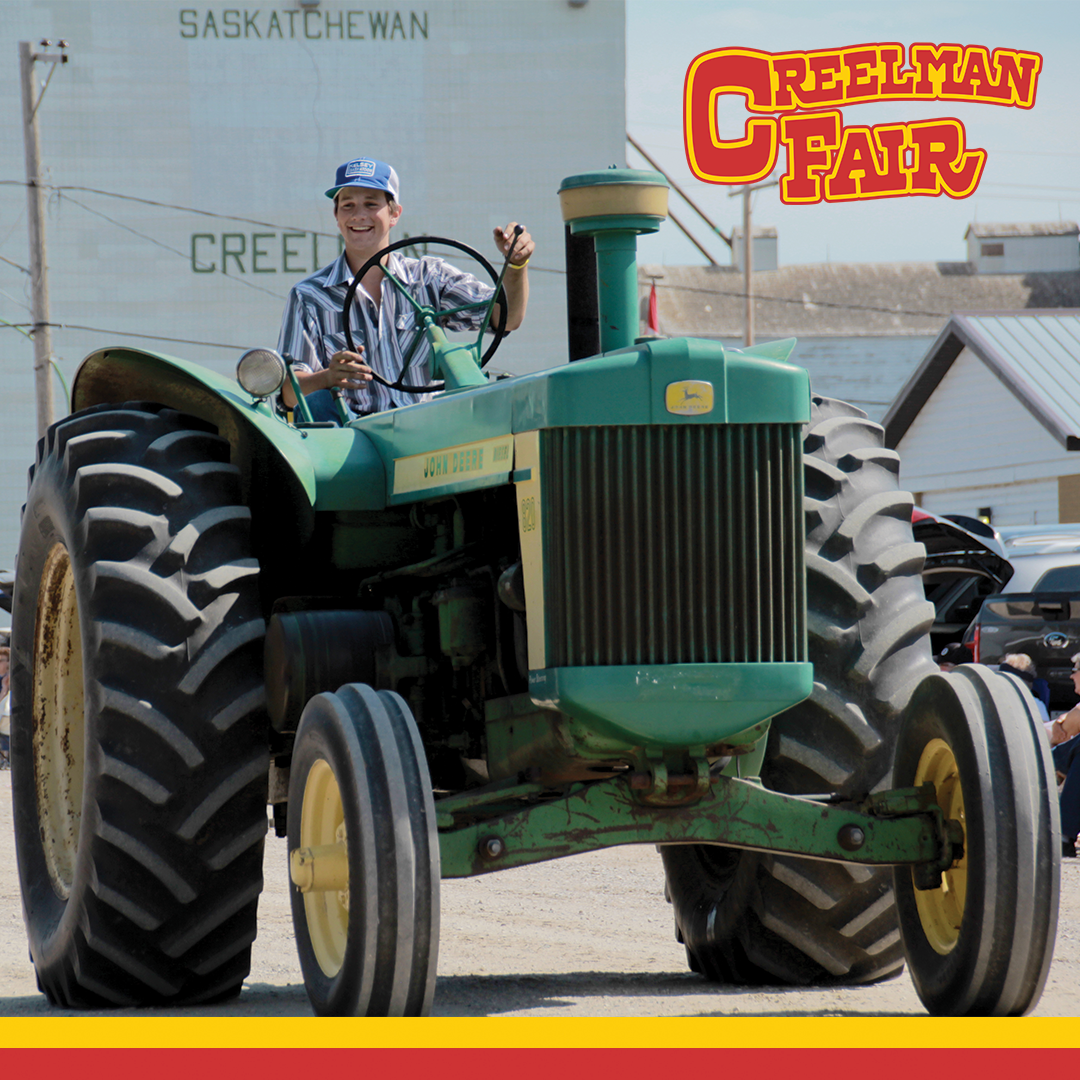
(365,172)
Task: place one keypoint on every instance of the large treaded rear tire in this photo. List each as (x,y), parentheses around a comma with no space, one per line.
(756,918)
(140,780)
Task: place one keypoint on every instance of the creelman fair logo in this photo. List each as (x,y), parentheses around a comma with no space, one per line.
(827,161)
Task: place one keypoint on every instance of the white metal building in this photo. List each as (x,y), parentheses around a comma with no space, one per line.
(188,146)
(1040,247)
(764,253)
(989,423)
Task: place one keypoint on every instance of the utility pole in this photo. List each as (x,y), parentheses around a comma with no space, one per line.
(35,198)
(748,268)
(748,256)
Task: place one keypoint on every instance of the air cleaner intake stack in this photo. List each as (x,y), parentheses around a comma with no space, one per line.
(614,207)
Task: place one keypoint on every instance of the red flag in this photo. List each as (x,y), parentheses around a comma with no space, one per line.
(654,319)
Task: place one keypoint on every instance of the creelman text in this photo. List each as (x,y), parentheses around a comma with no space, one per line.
(827,161)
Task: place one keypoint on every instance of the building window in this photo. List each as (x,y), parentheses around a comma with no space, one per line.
(1068,499)
(986,250)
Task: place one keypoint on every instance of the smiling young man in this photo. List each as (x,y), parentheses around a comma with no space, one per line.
(383,324)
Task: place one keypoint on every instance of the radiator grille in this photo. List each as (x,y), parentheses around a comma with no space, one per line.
(668,544)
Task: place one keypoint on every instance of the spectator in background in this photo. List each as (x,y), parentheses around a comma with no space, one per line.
(5,701)
(953,654)
(1066,753)
(1023,667)
(1067,725)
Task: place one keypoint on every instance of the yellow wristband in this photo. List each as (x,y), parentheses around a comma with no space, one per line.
(520,266)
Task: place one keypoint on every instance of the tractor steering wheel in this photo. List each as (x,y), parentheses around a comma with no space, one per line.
(497,297)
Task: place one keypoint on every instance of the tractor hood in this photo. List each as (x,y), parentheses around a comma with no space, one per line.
(675,382)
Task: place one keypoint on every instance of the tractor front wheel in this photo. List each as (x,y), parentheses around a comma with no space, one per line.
(363,856)
(980,943)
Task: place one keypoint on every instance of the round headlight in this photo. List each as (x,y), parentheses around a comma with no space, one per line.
(260,372)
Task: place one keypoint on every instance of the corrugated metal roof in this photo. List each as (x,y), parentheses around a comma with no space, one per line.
(1036,354)
(1029,228)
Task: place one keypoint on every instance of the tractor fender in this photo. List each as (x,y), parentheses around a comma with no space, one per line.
(330,468)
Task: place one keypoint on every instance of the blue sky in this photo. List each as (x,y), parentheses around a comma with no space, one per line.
(1033,165)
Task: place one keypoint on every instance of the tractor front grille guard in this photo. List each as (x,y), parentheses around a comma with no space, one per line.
(668,544)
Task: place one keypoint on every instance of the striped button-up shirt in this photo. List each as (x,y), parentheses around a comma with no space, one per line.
(312,329)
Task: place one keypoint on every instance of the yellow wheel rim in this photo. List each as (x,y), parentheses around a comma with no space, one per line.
(941,910)
(58,716)
(322,822)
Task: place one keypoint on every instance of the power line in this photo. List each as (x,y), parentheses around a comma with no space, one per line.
(18,303)
(207,213)
(175,251)
(738,295)
(126,228)
(15,264)
(16,326)
(1039,153)
(1034,187)
(805,302)
(61,188)
(124,333)
(680,146)
(1028,198)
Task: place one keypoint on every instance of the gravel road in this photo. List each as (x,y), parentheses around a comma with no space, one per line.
(585,936)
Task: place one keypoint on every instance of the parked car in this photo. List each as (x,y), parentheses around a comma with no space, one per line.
(1007,589)
(1044,625)
(965,563)
(1047,555)
(1038,611)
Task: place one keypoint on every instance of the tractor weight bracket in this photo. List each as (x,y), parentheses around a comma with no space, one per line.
(736,813)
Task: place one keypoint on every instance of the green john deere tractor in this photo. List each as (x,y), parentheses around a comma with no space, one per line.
(661,595)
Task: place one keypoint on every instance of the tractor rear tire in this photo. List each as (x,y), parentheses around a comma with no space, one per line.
(367,936)
(139,738)
(755,918)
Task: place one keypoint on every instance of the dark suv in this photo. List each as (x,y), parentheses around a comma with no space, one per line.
(1038,611)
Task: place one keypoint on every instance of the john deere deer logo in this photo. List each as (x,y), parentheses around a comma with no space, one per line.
(690,397)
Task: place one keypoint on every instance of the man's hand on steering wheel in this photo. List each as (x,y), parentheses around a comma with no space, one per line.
(498,322)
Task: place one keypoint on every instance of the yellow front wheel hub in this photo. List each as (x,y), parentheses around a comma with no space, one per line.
(941,910)
(323,842)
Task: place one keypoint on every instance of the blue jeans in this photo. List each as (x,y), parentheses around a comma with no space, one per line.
(1067,760)
(322,407)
